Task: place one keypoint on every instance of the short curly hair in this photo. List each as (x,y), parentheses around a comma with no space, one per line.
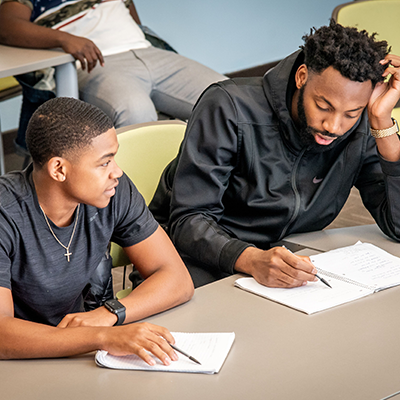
(355,54)
(63,126)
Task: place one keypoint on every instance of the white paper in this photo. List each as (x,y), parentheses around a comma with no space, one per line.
(311,298)
(210,349)
(364,263)
(353,272)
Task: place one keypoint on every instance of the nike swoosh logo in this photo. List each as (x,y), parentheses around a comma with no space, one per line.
(317,180)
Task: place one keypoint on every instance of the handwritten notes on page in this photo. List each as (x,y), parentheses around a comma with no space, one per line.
(211,349)
(363,263)
(353,272)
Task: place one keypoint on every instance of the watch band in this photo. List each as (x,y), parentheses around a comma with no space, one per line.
(381,133)
(116,308)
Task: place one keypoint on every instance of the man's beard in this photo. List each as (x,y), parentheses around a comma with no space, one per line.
(306,132)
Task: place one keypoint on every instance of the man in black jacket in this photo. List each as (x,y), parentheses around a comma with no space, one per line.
(267,157)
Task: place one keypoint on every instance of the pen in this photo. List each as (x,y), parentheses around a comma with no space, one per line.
(185,354)
(321,279)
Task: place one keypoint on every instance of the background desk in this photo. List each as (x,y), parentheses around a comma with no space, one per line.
(15,61)
(349,352)
(330,239)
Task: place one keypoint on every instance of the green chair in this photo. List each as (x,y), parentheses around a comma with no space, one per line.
(380,16)
(144,151)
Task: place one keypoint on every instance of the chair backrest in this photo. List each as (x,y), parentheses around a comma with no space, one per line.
(144,151)
(380,16)
(8,83)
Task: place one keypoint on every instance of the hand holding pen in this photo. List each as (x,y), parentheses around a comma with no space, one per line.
(321,279)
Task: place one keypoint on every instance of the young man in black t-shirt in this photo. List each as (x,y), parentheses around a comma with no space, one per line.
(56,220)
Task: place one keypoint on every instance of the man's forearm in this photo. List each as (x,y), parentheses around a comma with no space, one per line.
(18,30)
(158,293)
(26,34)
(204,240)
(24,339)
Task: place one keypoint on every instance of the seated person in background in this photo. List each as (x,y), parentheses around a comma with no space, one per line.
(267,157)
(56,220)
(134,79)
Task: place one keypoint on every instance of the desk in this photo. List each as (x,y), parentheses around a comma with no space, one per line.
(348,352)
(15,60)
(330,239)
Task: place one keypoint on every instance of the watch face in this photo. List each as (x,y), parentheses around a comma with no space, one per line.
(114,305)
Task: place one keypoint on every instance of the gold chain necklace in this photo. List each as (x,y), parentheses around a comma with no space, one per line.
(67,254)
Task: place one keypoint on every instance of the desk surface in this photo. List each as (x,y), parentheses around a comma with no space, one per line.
(15,60)
(330,239)
(348,352)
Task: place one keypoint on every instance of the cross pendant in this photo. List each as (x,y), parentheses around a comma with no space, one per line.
(67,254)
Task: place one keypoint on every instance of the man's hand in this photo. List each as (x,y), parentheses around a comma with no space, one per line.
(139,339)
(18,30)
(83,50)
(385,95)
(136,338)
(380,106)
(277,267)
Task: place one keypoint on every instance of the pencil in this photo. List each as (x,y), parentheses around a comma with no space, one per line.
(185,354)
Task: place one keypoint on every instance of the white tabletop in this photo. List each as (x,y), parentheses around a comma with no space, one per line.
(348,352)
(330,239)
(17,60)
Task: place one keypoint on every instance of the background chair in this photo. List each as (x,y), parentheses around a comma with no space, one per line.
(144,151)
(380,16)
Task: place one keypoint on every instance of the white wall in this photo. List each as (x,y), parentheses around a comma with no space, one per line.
(229,35)
(226,35)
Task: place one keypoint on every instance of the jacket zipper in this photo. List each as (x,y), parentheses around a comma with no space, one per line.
(296,194)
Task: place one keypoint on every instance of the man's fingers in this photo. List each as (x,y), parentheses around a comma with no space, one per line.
(100,57)
(162,338)
(145,356)
(297,267)
(82,60)
(162,332)
(155,340)
(392,59)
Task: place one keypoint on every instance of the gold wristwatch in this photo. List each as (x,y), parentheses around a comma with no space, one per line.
(381,133)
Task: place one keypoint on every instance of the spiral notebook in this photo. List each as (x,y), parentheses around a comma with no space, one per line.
(353,272)
(211,349)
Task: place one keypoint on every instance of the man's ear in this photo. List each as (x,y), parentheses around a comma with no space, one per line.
(57,169)
(301,76)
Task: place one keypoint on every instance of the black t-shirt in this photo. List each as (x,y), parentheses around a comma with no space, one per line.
(44,285)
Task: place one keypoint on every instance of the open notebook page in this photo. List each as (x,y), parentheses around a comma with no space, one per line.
(311,298)
(211,349)
(362,262)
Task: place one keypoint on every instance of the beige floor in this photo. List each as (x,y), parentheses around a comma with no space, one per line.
(353,213)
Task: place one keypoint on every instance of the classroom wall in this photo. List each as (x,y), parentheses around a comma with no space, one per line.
(230,35)
(226,35)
